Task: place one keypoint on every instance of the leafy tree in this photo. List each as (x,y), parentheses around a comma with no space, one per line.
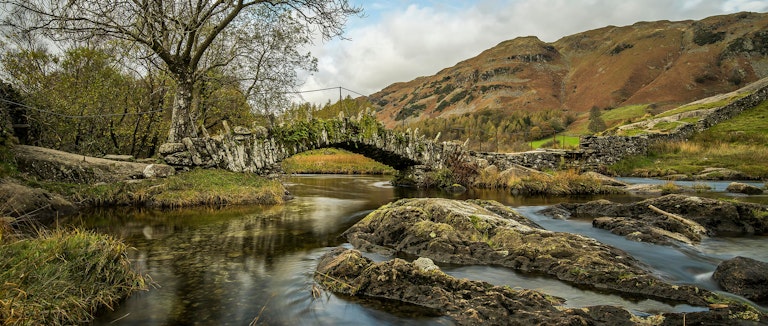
(596,122)
(189,38)
(80,102)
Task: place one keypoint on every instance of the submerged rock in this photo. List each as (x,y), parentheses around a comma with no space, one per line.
(744,276)
(486,232)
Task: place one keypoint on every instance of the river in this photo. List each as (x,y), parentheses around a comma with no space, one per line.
(243,265)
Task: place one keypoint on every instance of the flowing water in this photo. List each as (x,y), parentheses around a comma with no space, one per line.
(242,265)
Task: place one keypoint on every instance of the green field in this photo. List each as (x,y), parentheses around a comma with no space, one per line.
(562,142)
(332,160)
(739,144)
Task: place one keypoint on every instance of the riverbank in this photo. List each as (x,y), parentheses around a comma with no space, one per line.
(41,183)
(64,277)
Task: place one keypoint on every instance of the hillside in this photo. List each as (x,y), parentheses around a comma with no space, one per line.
(659,65)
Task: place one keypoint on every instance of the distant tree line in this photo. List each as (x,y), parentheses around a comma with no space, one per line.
(496,130)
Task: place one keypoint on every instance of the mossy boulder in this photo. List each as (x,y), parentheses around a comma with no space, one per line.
(467,302)
(717,217)
(488,233)
(743,188)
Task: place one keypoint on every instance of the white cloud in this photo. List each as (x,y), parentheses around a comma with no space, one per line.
(402,40)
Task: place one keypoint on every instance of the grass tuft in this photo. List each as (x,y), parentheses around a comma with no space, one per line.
(63,278)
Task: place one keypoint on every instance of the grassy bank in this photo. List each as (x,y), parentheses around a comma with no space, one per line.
(739,144)
(194,188)
(558,183)
(333,161)
(62,277)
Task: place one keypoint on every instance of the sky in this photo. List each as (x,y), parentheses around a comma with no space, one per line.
(397,40)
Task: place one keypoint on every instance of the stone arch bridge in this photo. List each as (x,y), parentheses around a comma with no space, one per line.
(259,150)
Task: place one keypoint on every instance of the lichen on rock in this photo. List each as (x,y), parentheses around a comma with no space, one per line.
(488,233)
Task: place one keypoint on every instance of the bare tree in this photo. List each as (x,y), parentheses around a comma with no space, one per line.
(190,37)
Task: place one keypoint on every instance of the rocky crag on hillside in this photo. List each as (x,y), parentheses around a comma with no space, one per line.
(662,63)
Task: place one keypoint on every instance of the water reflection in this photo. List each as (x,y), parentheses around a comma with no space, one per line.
(238,265)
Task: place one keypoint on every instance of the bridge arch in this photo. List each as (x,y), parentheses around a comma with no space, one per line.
(396,161)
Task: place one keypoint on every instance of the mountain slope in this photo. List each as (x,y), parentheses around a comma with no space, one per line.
(661,63)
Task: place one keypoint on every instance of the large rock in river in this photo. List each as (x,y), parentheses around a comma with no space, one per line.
(486,232)
(671,217)
(744,276)
(466,302)
(743,188)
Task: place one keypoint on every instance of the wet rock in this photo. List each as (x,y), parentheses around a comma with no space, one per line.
(486,232)
(726,315)
(645,189)
(686,214)
(744,276)
(720,174)
(456,189)
(643,231)
(467,302)
(743,188)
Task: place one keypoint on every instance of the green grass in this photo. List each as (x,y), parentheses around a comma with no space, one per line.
(701,106)
(567,141)
(625,113)
(333,161)
(740,144)
(63,278)
(199,187)
(666,126)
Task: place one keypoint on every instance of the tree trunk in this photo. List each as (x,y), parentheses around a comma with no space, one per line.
(182,118)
